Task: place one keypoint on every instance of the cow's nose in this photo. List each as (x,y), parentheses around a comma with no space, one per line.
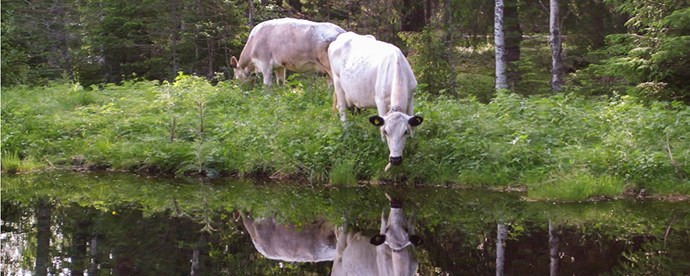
(395,160)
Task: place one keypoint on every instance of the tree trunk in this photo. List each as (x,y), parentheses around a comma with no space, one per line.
(501,237)
(556,47)
(80,238)
(296,5)
(62,11)
(251,14)
(195,262)
(449,48)
(174,37)
(197,37)
(499,41)
(43,214)
(198,251)
(513,38)
(429,11)
(413,16)
(211,51)
(553,250)
(94,255)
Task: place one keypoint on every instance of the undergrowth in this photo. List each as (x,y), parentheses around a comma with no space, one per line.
(560,146)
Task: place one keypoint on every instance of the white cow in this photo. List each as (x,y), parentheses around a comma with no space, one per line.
(370,73)
(314,242)
(391,252)
(294,44)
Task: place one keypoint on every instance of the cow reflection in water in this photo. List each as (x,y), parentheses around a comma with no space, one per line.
(315,242)
(390,252)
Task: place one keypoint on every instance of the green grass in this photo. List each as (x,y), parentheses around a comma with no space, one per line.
(577,185)
(562,146)
(12,163)
(343,173)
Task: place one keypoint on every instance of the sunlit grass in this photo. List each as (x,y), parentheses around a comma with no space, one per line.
(12,163)
(577,185)
(562,146)
(343,173)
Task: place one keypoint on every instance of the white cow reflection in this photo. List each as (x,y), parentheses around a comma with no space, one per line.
(315,242)
(390,252)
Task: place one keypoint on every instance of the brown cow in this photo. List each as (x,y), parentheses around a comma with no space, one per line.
(286,44)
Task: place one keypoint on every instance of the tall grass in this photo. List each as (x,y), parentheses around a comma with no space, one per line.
(577,185)
(191,126)
(12,163)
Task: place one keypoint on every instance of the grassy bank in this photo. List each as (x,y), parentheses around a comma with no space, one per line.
(562,146)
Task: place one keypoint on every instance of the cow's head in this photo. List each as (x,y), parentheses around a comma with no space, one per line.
(241,74)
(396,231)
(395,127)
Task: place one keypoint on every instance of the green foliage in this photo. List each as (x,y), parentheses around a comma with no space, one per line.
(343,174)
(15,69)
(649,63)
(576,186)
(96,42)
(430,59)
(12,163)
(131,213)
(192,127)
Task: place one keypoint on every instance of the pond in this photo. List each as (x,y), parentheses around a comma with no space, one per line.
(94,224)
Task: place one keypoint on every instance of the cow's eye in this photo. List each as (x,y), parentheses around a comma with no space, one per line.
(407,132)
(385,132)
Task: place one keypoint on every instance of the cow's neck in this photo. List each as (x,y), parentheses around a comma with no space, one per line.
(394,108)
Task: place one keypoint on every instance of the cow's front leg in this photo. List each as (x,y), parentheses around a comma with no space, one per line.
(339,99)
(267,74)
(342,110)
(382,109)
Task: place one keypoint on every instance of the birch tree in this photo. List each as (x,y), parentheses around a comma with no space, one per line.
(501,238)
(556,47)
(499,41)
(43,214)
(554,242)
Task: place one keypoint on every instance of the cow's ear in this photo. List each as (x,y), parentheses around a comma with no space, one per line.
(416,240)
(233,62)
(376,120)
(415,121)
(377,240)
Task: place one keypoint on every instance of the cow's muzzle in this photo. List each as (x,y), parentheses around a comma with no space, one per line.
(395,160)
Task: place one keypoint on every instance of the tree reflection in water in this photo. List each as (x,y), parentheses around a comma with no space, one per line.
(122,225)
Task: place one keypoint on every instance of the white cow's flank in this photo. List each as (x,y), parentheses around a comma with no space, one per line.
(370,73)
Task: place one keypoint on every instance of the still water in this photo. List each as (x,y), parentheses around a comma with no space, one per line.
(103,224)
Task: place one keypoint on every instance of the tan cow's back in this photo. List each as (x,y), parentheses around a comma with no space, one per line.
(287,43)
(314,242)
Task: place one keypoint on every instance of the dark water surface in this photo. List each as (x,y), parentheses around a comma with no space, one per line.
(103,224)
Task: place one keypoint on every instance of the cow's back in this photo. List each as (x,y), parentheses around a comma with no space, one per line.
(296,44)
(313,242)
(369,70)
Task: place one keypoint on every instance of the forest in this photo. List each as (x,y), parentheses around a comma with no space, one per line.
(611,47)
(556,137)
(145,86)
